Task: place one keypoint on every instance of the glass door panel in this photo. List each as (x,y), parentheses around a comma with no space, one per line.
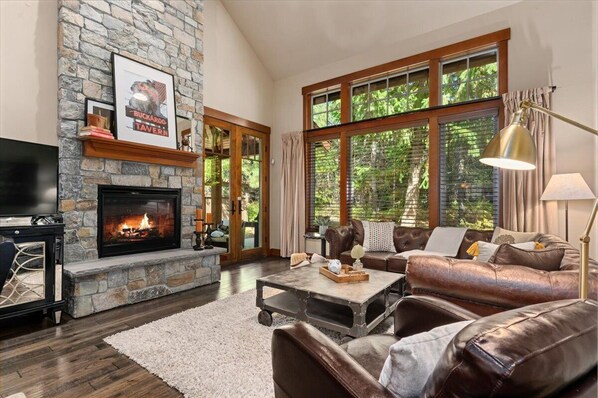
(250,199)
(217,185)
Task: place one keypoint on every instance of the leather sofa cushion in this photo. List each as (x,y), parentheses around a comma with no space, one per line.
(410,238)
(570,260)
(472,236)
(372,260)
(545,260)
(371,351)
(397,263)
(525,352)
(358,232)
(346,258)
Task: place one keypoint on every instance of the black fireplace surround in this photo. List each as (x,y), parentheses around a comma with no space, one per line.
(136,220)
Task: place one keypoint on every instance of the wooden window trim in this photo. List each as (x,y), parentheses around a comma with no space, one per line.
(372,125)
(239,121)
(430,116)
(461,47)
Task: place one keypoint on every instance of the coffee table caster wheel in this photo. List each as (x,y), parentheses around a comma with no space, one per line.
(265,318)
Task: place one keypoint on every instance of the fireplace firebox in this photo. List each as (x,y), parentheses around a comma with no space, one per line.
(136,220)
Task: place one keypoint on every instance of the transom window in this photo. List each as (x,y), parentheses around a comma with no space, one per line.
(326,109)
(470,78)
(390,96)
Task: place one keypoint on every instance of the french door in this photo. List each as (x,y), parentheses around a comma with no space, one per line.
(236,189)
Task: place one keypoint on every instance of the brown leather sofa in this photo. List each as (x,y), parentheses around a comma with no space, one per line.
(544,350)
(486,288)
(343,238)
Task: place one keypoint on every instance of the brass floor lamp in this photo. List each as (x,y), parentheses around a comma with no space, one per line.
(513,148)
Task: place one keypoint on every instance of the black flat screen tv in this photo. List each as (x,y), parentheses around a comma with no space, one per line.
(28,179)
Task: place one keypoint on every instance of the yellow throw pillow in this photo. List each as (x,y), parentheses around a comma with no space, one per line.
(474,249)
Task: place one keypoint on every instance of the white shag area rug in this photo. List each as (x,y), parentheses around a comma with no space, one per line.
(216,350)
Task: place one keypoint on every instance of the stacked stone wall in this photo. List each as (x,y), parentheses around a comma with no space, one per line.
(95,286)
(167,35)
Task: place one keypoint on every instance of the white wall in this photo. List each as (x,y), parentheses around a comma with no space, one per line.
(28,70)
(551,43)
(235,81)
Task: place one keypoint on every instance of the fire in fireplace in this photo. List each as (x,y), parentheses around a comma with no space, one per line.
(135,220)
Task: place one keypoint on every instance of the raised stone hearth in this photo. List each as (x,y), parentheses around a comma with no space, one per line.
(98,285)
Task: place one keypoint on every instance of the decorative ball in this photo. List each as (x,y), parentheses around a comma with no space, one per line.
(357,252)
(335,266)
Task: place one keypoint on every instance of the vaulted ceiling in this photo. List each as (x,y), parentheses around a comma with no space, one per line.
(293,36)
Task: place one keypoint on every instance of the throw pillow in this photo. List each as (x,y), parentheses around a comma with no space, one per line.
(474,249)
(501,236)
(412,359)
(545,260)
(487,250)
(378,236)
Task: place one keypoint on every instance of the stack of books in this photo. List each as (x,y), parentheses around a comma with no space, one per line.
(95,131)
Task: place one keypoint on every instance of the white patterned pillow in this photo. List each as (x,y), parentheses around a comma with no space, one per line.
(377,236)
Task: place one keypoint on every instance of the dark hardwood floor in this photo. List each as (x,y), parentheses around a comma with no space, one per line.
(72,360)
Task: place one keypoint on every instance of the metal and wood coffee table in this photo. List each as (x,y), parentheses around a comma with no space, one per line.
(353,309)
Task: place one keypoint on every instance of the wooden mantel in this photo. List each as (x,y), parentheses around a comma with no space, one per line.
(124,150)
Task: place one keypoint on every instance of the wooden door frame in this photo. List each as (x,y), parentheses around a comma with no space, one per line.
(228,257)
(264,249)
(237,125)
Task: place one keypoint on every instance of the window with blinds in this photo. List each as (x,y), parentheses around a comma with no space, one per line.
(323,176)
(389,177)
(468,189)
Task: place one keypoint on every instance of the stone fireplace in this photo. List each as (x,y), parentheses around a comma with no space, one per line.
(137,220)
(100,230)
(166,35)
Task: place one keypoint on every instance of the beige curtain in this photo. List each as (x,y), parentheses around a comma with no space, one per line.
(292,214)
(522,209)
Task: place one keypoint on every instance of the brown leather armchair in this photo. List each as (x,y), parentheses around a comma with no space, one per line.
(544,350)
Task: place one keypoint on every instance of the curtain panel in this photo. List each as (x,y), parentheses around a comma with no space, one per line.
(292,214)
(521,207)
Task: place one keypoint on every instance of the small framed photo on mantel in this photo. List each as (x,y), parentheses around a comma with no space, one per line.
(144,103)
(105,109)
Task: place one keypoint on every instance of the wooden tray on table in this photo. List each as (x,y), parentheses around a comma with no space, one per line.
(347,275)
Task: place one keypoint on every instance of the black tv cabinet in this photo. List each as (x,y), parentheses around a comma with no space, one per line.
(41,249)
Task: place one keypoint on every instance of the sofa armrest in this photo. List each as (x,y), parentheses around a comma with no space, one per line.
(340,240)
(417,314)
(305,363)
(502,286)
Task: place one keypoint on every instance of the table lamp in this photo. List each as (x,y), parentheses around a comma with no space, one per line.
(513,148)
(567,187)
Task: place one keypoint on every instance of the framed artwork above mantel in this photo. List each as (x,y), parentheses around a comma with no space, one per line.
(144,103)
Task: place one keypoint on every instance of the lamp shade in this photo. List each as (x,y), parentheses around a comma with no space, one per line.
(567,187)
(513,148)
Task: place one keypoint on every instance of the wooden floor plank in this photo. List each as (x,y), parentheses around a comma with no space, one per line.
(72,360)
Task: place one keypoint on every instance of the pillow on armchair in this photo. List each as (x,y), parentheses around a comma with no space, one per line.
(412,359)
(545,260)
